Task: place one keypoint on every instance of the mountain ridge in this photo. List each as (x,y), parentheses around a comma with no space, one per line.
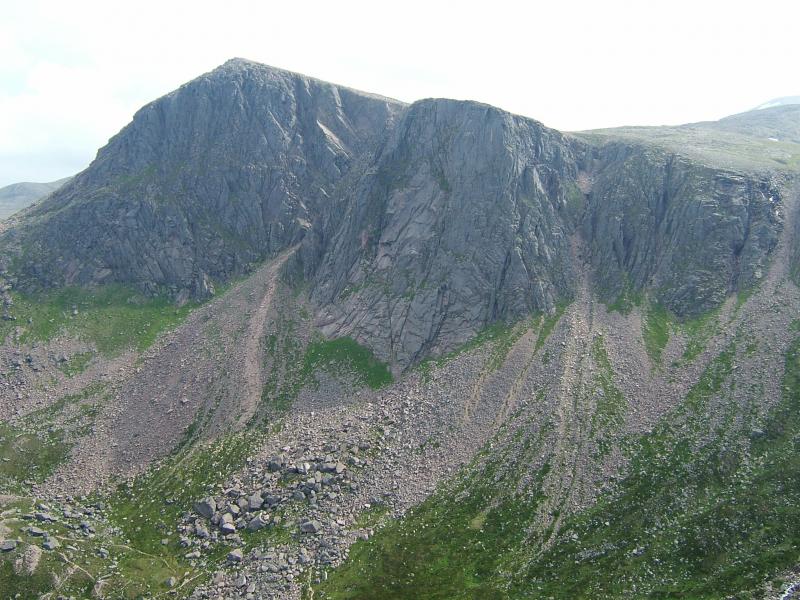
(287,171)
(782,101)
(284,339)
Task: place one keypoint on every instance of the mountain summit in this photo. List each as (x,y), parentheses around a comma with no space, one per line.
(285,339)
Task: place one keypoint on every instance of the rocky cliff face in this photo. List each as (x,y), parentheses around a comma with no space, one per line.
(417,225)
(221,173)
(690,233)
(462,220)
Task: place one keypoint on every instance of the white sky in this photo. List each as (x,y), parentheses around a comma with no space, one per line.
(72,73)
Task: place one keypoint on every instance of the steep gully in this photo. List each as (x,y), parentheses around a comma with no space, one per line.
(254,346)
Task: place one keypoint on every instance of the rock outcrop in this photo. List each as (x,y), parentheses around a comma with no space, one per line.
(417,224)
(690,233)
(462,221)
(225,171)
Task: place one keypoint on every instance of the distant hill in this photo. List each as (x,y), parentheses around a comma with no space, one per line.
(786,100)
(759,139)
(17,196)
(779,122)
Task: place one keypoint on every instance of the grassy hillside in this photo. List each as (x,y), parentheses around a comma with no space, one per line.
(709,508)
(113,317)
(767,139)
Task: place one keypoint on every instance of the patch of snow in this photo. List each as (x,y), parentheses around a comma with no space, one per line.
(332,137)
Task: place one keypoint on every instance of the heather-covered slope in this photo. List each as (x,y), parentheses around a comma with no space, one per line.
(758,140)
(779,123)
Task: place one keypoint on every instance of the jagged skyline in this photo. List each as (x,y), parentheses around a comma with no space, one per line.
(73,76)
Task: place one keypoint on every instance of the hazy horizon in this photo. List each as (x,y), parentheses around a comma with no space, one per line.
(73,75)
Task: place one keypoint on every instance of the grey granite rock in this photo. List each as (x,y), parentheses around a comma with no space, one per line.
(221,173)
(417,225)
(206,507)
(462,221)
(690,233)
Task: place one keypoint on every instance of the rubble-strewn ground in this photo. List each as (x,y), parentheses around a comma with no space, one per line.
(210,466)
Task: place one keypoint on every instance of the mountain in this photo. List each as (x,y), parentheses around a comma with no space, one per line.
(164,199)
(779,124)
(387,202)
(17,196)
(288,339)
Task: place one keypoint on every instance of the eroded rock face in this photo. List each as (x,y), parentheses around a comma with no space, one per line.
(462,221)
(416,225)
(228,169)
(690,233)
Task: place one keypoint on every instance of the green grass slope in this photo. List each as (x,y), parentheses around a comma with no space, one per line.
(709,508)
(766,139)
(113,318)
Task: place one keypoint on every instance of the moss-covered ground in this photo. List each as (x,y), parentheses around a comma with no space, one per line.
(113,318)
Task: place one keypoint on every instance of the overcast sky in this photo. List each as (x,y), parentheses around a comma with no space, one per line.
(73,73)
